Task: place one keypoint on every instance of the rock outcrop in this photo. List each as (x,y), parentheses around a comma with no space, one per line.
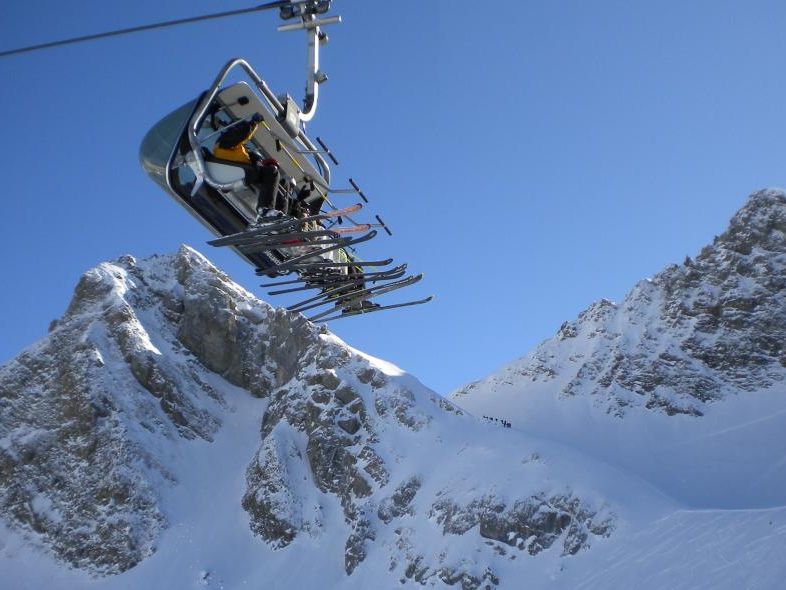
(351,452)
(712,327)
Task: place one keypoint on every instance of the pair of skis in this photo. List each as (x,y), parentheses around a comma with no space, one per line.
(247,237)
(354,301)
(332,281)
(283,235)
(350,298)
(362,311)
(347,292)
(344,294)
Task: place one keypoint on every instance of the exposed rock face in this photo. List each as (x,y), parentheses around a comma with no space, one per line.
(351,451)
(336,424)
(533,524)
(400,502)
(128,365)
(695,333)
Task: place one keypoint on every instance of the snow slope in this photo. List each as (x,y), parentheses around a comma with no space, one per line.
(172,431)
(688,550)
(682,384)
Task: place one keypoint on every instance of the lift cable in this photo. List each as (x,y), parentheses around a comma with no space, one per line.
(171,23)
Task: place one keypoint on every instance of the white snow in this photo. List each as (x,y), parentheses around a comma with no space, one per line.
(696,502)
(208,543)
(688,550)
(722,463)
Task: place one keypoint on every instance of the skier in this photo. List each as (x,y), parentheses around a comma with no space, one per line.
(263,176)
(356,272)
(269,179)
(313,205)
(231,145)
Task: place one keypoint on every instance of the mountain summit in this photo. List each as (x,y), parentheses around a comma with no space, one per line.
(173,430)
(695,333)
(683,376)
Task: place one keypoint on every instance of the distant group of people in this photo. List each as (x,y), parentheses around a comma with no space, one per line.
(500,421)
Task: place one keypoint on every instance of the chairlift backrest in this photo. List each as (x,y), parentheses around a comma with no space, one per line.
(240,102)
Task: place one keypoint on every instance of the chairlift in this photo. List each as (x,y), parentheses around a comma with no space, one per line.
(302,232)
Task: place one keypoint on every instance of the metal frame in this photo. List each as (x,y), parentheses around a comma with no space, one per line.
(201,112)
(342,280)
(314,76)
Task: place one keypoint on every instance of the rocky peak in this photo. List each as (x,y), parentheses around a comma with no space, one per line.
(149,360)
(696,332)
(82,411)
(761,223)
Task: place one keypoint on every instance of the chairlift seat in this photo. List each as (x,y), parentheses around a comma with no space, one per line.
(225,171)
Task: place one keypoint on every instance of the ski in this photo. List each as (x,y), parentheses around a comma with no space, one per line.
(346,242)
(352,230)
(372,277)
(341,288)
(326,265)
(316,285)
(326,294)
(289,242)
(367,275)
(362,294)
(349,314)
(359,263)
(303,235)
(240,237)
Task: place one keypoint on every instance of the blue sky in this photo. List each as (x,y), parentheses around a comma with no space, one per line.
(530,157)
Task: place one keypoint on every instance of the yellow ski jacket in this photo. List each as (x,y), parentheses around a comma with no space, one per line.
(238,152)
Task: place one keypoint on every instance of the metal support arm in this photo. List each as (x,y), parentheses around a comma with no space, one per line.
(314,77)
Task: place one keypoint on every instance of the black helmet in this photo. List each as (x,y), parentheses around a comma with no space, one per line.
(256,118)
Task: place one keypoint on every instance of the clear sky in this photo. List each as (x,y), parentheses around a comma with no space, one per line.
(531,157)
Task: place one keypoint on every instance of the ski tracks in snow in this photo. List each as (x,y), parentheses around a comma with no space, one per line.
(684,551)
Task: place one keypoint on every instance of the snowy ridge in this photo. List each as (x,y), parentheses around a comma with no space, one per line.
(173,431)
(694,333)
(681,383)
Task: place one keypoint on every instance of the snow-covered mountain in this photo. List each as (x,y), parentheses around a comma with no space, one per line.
(683,383)
(696,333)
(173,431)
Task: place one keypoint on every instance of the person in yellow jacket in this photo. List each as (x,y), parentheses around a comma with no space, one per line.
(265,176)
(232,143)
